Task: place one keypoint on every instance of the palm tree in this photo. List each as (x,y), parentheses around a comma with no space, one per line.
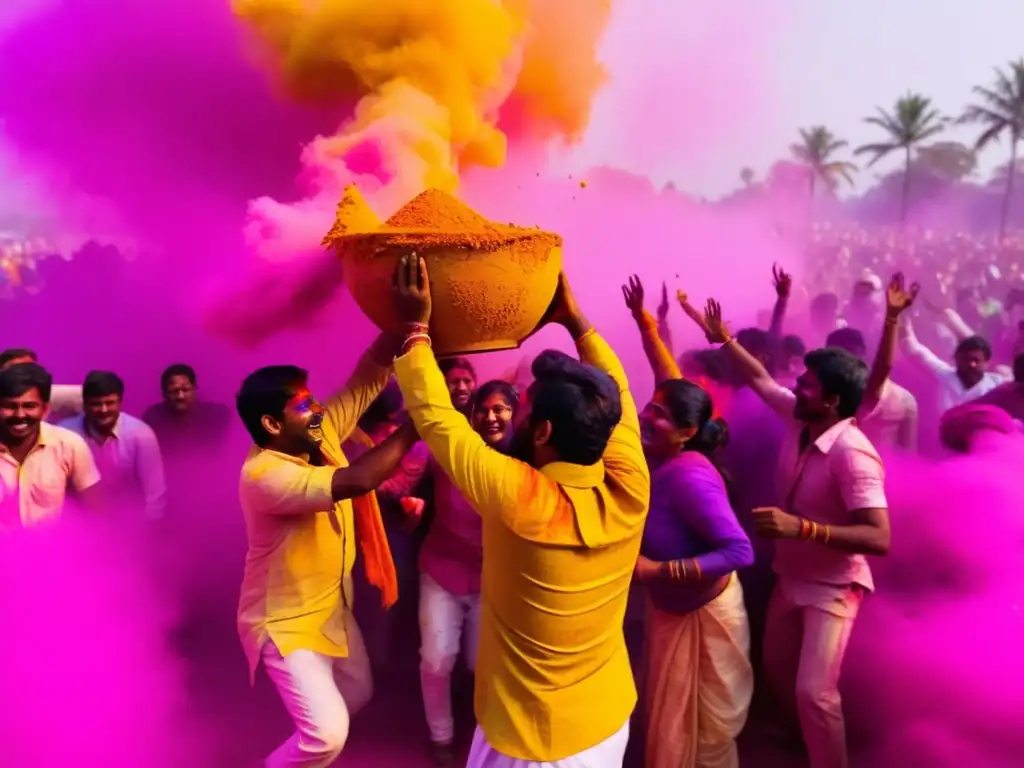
(1000,111)
(816,152)
(912,121)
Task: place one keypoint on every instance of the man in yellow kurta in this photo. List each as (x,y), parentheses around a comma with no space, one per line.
(304,509)
(561,533)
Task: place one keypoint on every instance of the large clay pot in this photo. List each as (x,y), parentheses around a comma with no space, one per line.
(490,288)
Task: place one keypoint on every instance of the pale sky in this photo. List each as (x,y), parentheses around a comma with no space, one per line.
(828,62)
(778,65)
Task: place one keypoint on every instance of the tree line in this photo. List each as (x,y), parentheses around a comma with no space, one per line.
(997,111)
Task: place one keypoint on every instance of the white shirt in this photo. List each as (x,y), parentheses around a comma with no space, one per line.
(952,391)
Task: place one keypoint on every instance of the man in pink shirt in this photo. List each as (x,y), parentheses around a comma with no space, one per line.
(38,461)
(834,513)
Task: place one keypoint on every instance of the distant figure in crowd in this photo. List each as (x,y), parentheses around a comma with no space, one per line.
(38,461)
(182,420)
(65,399)
(125,448)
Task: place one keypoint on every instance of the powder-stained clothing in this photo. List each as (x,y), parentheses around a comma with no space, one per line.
(893,421)
(129,462)
(560,545)
(302,545)
(690,517)
(34,491)
(838,474)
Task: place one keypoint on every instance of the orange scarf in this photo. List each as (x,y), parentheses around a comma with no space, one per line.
(373,539)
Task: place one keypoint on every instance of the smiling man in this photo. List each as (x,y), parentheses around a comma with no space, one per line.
(38,461)
(125,448)
(304,509)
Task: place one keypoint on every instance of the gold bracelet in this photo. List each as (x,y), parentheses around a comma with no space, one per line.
(814,531)
(415,338)
(828,534)
(586,334)
(683,564)
(696,566)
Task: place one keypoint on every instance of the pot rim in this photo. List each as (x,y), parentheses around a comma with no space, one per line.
(452,237)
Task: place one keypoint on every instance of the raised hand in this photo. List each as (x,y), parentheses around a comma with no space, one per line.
(898,298)
(633,293)
(783,281)
(663,305)
(411,286)
(714,326)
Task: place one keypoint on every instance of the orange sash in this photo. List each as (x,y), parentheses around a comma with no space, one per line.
(373,539)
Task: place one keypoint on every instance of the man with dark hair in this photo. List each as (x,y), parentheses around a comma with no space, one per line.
(891,417)
(966,380)
(460,376)
(182,421)
(835,512)
(1008,396)
(65,399)
(125,448)
(561,533)
(38,461)
(304,509)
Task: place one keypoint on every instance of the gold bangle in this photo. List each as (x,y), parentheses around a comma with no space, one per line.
(828,534)
(814,531)
(586,334)
(683,564)
(415,338)
(696,566)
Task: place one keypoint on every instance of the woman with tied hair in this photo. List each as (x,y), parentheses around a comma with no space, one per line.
(699,680)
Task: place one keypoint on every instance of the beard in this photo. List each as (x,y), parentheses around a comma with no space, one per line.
(521,446)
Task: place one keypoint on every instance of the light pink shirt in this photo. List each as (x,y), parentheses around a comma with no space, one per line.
(894,420)
(838,474)
(34,491)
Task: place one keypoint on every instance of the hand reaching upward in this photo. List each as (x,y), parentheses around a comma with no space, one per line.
(714,326)
(783,281)
(898,298)
(633,293)
(663,305)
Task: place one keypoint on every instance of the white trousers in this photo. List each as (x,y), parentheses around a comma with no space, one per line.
(447,623)
(608,754)
(321,693)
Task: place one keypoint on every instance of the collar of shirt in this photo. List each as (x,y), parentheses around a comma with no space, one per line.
(46,436)
(575,475)
(829,437)
(88,432)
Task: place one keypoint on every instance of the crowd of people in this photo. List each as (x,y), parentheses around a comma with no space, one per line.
(574,541)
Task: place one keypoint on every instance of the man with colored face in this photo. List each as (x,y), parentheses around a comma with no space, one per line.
(125,448)
(38,461)
(834,513)
(305,507)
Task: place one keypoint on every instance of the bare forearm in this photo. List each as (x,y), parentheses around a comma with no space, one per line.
(375,466)
(577,325)
(884,360)
(859,539)
(748,366)
(658,355)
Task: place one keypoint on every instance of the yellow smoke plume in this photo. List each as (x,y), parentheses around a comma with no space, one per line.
(430,76)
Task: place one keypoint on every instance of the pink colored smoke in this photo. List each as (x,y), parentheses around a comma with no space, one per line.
(87,675)
(155,109)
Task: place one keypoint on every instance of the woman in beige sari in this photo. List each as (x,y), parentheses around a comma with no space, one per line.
(699,680)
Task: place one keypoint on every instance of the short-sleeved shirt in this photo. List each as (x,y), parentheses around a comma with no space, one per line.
(838,474)
(35,490)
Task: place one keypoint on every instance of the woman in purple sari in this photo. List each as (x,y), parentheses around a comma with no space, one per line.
(699,679)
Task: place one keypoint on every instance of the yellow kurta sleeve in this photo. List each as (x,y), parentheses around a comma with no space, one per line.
(281,487)
(624,457)
(370,376)
(491,482)
(658,354)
